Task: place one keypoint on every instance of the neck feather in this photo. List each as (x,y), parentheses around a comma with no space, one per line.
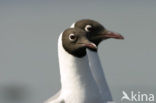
(98,74)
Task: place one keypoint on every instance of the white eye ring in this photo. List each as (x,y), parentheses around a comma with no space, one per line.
(72,37)
(87,28)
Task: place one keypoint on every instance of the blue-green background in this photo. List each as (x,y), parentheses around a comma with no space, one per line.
(29,30)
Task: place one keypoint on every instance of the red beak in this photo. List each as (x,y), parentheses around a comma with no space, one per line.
(110,34)
(91,46)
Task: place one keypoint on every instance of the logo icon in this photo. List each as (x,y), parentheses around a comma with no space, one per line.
(125,96)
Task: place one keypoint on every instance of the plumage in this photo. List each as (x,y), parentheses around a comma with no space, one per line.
(82,76)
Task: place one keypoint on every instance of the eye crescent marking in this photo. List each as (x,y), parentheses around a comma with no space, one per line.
(87,28)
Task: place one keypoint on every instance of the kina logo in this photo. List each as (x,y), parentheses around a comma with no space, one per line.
(137,96)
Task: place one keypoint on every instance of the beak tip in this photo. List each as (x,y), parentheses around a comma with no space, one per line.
(121,37)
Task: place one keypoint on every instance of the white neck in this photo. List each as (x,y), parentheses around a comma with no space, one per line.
(76,78)
(98,74)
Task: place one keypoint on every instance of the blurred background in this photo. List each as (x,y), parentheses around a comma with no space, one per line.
(29,29)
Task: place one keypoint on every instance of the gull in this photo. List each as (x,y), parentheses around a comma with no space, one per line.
(77,82)
(97,33)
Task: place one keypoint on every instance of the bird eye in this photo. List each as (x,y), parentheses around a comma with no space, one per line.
(72,37)
(88,28)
